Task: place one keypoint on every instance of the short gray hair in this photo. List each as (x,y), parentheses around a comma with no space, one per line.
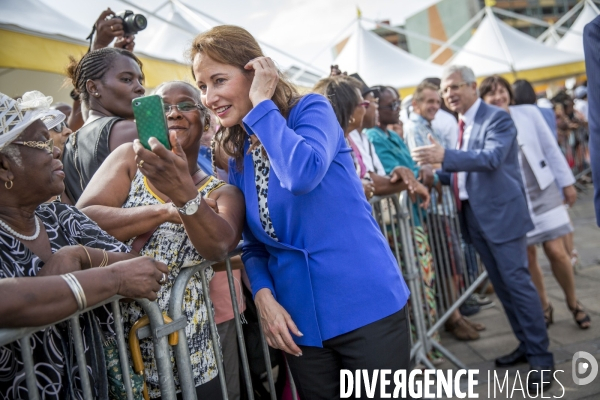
(466,73)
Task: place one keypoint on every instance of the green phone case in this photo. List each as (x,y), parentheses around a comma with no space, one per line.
(150,120)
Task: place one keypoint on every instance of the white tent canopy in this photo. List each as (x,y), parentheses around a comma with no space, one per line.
(572,41)
(497,48)
(38,37)
(379,62)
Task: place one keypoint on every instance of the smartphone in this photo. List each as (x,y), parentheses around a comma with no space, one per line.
(150,120)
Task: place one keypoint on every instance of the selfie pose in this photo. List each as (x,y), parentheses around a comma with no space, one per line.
(162,204)
(325,282)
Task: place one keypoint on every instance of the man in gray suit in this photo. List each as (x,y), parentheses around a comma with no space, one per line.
(591,47)
(486,179)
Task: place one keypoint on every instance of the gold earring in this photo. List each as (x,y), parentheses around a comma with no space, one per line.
(6,184)
(96,94)
(351,120)
(206,127)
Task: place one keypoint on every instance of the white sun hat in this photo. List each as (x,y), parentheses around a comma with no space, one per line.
(17,115)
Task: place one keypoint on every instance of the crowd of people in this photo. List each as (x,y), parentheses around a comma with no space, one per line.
(87,212)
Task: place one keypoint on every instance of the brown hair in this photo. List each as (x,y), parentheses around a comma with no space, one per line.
(94,65)
(490,84)
(232,45)
(418,95)
(340,90)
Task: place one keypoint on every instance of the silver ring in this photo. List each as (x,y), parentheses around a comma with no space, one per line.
(163,280)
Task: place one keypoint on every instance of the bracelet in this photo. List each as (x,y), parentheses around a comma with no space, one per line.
(77,290)
(88,254)
(104,262)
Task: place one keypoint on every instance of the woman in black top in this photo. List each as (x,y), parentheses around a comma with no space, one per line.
(41,241)
(107,80)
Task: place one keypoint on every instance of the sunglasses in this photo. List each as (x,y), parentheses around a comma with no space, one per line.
(60,127)
(394,105)
(183,107)
(365,104)
(47,145)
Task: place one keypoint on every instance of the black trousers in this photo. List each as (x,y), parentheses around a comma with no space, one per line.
(383,344)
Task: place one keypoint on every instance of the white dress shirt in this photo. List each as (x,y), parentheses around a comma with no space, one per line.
(469,120)
(367,152)
(446,125)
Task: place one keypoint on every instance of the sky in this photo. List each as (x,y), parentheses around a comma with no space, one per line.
(306,29)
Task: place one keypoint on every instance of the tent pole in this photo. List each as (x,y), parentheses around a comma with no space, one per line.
(431,40)
(220,22)
(525,18)
(500,38)
(593,6)
(552,29)
(191,14)
(458,34)
(329,45)
(161,6)
(259,41)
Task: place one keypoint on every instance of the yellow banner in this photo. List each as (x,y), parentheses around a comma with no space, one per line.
(23,51)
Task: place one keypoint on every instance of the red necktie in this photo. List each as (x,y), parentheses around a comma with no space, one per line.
(461,131)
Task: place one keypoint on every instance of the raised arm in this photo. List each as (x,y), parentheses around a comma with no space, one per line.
(214,232)
(300,155)
(499,138)
(103,199)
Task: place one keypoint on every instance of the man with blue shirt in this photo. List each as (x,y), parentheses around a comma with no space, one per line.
(485,176)
(426,102)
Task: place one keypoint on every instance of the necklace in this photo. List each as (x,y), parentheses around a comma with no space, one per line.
(18,235)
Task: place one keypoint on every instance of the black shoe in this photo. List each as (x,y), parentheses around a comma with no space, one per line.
(516,357)
(539,379)
(469,307)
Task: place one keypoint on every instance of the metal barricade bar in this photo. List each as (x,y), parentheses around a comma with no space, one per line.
(440,226)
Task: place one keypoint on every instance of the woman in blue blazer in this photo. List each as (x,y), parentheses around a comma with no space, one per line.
(323,277)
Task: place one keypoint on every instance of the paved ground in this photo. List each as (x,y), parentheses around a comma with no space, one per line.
(565,337)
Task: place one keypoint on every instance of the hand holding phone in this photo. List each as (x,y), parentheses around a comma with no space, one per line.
(150,120)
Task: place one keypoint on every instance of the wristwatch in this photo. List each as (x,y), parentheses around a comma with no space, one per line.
(190,207)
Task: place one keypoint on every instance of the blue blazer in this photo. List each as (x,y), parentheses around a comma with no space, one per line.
(591,47)
(494,182)
(332,269)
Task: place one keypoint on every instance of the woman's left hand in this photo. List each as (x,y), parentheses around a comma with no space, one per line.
(266,76)
(403,174)
(167,170)
(423,193)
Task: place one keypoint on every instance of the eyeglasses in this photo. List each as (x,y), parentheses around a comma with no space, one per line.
(183,107)
(60,127)
(394,105)
(453,88)
(47,145)
(365,104)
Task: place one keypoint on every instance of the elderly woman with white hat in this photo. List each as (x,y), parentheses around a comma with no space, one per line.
(75,263)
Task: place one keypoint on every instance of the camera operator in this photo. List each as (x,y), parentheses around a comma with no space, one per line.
(107,29)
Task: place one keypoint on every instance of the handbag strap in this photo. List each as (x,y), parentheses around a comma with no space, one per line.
(142,239)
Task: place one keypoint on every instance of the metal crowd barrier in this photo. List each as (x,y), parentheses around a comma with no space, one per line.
(429,242)
(415,236)
(158,330)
